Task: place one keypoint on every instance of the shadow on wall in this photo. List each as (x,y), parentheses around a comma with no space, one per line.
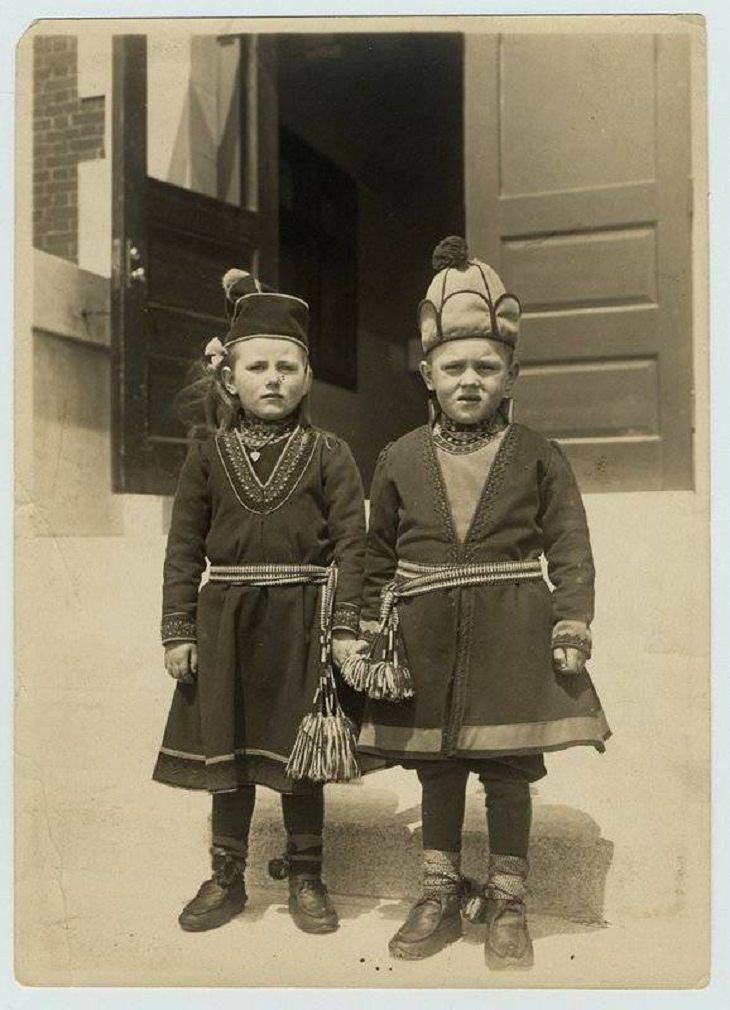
(374,850)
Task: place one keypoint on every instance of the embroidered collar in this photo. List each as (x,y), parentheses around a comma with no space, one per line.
(453,437)
(257,432)
(268,496)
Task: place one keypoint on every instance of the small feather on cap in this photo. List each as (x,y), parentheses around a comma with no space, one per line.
(451,251)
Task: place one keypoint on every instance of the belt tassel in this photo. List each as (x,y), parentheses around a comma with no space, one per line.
(383,672)
(325,748)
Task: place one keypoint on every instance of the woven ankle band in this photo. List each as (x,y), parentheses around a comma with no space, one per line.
(441,871)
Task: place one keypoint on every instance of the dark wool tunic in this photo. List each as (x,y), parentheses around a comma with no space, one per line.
(258,647)
(481,656)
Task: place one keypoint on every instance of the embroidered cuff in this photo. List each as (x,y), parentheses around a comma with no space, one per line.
(346,617)
(178,628)
(572,635)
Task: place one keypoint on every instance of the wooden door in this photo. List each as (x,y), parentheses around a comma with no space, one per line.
(170,249)
(578,188)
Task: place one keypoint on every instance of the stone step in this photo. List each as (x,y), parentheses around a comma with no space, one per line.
(373,848)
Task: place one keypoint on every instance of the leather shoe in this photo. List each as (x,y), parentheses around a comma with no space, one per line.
(219,899)
(508,943)
(433,923)
(310,905)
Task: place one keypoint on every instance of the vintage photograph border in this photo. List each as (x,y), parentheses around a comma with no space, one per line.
(13,20)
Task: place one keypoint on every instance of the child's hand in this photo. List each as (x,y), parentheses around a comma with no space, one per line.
(571,646)
(344,644)
(567,660)
(181,661)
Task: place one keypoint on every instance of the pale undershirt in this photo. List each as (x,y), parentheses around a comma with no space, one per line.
(465,476)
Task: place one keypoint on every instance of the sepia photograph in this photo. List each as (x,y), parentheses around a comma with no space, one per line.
(362,503)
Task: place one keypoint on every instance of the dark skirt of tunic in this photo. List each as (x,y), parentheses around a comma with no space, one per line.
(481,656)
(258,647)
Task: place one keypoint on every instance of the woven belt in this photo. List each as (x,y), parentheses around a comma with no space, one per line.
(383,672)
(288,575)
(271,575)
(324,748)
(412,579)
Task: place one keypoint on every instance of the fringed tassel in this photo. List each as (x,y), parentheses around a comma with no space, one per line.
(383,674)
(355,671)
(325,748)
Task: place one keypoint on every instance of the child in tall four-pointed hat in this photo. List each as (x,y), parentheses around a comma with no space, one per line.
(275,507)
(474,664)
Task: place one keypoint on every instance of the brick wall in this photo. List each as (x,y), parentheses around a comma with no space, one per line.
(66,129)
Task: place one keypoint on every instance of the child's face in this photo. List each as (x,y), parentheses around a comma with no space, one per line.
(271,376)
(470,377)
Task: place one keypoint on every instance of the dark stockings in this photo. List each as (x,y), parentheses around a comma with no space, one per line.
(508,804)
(303,819)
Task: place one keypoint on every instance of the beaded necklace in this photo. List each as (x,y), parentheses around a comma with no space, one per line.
(256,433)
(457,438)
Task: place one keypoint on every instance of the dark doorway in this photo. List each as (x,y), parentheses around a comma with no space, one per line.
(384,113)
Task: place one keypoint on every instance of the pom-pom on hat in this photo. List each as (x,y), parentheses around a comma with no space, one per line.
(254,312)
(466,298)
(236,284)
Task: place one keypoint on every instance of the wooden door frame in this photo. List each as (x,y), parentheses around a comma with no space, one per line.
(140,462)
(665,201)
(128,296)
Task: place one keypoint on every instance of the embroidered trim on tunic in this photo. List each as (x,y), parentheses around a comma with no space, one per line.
(252,494)
(400,738)
(178,627)
(507,738)
(492,486)
(515,736)
(186,756)
(439,493)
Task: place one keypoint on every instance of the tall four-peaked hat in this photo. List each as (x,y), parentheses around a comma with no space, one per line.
(466,298)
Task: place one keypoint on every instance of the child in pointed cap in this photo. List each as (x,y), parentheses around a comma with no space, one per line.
(275,506)
(474,664)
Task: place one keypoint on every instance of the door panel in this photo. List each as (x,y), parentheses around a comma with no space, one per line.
(171,246)
(577,174)
(584,103)
(600,268)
